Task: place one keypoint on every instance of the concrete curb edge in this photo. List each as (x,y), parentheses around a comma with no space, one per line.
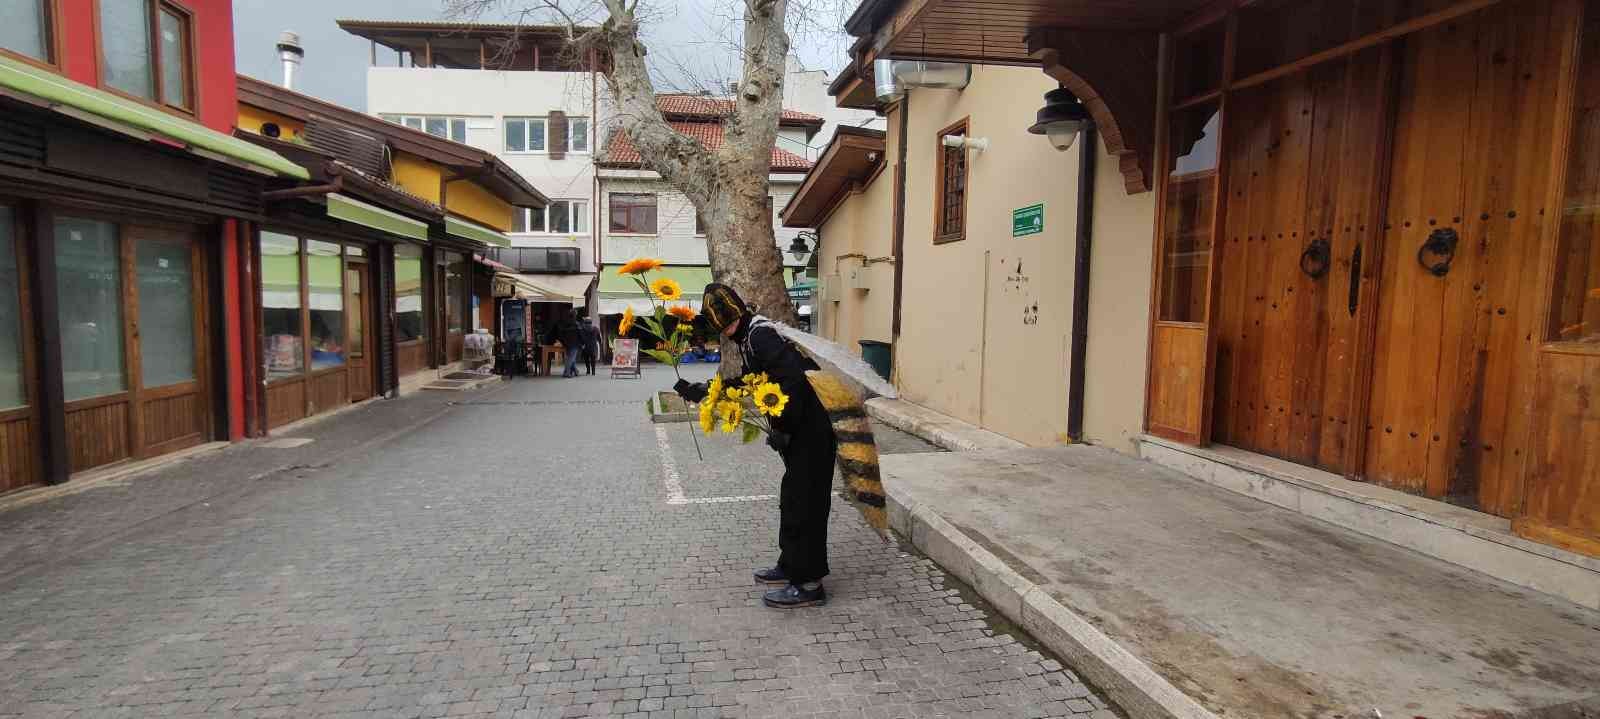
(1125,678)
(932,427)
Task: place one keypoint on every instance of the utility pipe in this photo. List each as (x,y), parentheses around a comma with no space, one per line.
(1082,249)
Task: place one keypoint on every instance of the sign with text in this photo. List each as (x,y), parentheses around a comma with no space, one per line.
(625,358)
(1027,220)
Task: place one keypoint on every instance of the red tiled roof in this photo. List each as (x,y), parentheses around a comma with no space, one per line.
(688,107)
(620,151)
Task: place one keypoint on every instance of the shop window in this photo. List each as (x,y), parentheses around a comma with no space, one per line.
(26,29)
(166,312)
(1575,309)
(355,302)
(89,272)
(525,134)
(12,385)
(325,300)
(408,322)
(633,213)
(455,291)
(280,306)
(951,201)
(155,66)
(1186,217)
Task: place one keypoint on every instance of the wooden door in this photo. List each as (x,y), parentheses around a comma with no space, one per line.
(1305,155)
(1458,305)
(358,315)
(19,412)
(171,402)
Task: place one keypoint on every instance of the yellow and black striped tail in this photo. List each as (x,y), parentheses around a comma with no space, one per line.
(858,453)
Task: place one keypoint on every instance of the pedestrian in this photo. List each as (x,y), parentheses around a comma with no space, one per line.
(571,336)
(591,345)
(802,435)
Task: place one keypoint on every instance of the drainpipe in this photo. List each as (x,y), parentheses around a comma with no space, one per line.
(1082,248)
(900,216)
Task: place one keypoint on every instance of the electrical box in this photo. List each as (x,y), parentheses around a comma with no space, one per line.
(830,287)
(859,279)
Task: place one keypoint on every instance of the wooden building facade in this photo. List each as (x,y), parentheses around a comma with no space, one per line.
(1376,245)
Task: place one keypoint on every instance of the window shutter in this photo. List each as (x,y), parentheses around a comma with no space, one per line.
(557,140)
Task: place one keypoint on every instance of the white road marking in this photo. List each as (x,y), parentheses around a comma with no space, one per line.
(674,483)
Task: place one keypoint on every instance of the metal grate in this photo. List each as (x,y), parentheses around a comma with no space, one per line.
(362,151)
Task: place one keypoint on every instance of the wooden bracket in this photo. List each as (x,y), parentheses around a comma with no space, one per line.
(1114,74)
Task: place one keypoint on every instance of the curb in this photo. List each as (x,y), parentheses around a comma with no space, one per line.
(945,432)
(1127,680)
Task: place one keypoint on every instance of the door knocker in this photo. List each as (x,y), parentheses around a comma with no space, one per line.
(1441,244)
(1316,259)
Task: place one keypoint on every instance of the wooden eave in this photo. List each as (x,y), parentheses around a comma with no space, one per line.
(851,159)
(465,161)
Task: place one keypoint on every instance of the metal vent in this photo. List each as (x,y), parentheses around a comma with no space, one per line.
(21,139)
(364,152)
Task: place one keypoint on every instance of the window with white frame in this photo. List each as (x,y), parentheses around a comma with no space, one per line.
(445,126)
(563,217)
(577,134)
(526,134)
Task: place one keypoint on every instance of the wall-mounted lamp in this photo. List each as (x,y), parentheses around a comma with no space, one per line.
(971,143)
(799,247)
(1061,118)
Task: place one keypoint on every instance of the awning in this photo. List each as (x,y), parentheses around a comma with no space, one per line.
(468,230)
(132,118)
(360,213)
(574,288)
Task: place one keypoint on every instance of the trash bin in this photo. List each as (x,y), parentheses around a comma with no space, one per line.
(878,355)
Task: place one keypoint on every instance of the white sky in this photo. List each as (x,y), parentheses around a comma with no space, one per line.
(682,36)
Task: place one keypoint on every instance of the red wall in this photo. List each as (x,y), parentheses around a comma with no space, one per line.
(213,36)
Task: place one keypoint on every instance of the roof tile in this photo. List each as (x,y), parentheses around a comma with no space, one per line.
(620,151)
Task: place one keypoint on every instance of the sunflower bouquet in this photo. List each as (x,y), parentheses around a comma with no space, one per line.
(747,406)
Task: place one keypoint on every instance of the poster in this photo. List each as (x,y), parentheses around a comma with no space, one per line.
(625,357)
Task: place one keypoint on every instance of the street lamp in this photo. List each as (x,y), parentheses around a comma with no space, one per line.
(1062,116)
(798,248)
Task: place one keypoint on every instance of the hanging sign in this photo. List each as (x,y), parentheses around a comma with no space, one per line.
(1027,220)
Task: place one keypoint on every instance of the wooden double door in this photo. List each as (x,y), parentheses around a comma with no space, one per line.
(1378,300)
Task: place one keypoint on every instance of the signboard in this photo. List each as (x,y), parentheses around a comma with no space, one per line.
(625,358)
(800,294)
(1027,220)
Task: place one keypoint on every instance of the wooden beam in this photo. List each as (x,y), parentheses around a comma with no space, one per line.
(56,466)
(483,55)
(427,52)
(1114,74)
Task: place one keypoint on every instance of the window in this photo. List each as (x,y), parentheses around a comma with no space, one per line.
(577,134)
(280,306)
(1190,201)
(292,268)
(325,300)
(525,134)
(408,324)
(455,290)
(951,202)
(165,277)
(633,213)
(449,128)
(145,51)
(26,30)
(1575,308)
(89,271)
(560,217)
(12,387)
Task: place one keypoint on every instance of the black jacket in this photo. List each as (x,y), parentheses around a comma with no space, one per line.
(765,350)
(570,334)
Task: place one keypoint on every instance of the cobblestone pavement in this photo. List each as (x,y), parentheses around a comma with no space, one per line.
(512,554)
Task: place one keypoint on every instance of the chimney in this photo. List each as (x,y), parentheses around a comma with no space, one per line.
(290,52)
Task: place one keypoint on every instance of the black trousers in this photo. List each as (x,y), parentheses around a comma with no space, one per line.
(588,361)
(803,504)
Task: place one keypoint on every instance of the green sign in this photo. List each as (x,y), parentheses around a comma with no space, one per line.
(800,294)
(1027,220)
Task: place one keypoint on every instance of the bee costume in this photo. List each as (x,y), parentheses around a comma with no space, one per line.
(824,419)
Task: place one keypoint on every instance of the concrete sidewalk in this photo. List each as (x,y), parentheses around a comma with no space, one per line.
(1156,584)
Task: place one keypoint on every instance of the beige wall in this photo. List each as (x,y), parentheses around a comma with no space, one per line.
(863,224)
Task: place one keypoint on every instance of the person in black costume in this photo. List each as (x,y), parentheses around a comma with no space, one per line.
(802,436)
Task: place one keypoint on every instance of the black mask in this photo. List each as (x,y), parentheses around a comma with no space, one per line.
(721,307)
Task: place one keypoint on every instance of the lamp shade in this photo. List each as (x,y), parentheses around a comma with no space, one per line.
(1060,118)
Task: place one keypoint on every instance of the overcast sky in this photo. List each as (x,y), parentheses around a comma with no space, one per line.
(680,34)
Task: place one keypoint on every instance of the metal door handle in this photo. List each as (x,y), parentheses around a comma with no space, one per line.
(1440,243)
(1355,279)
(1316,259)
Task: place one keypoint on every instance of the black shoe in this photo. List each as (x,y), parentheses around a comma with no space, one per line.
(774,575)
(795,596)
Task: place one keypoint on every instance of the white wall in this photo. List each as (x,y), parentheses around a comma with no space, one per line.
(807,91)
(675,240)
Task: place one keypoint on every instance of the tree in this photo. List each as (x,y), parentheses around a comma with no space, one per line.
(729,185)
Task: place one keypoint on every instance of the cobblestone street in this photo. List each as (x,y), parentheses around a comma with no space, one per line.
(537,548)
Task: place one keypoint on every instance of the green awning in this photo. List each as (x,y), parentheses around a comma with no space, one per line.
(122,114)
(693,278)
(361,213)
(467,230)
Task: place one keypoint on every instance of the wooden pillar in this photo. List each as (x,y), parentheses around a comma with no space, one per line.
(483,55)
(427,52)
(55,466)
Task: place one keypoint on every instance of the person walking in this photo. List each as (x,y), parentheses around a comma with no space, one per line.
(802,435)
(591,345)
(572,342)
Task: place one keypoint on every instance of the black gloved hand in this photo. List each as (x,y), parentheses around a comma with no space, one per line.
(690,392)
(778,441)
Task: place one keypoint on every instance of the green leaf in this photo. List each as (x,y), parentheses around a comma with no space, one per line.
(751,431)
(650,404)
(662,356)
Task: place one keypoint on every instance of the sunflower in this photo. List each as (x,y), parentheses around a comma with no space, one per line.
(754,380)
(627,322)
(684,313)
(708,405)
(735,393)
(770,399)
(666,289)
(732,413)
(639,266)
